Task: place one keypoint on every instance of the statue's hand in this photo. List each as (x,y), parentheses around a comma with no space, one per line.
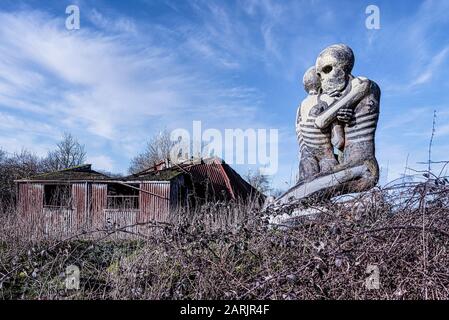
(345,114)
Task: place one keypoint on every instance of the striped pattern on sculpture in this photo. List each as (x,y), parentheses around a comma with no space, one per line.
(308,134)
(362,128)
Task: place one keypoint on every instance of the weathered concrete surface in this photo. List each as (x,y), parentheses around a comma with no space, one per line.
(322,183)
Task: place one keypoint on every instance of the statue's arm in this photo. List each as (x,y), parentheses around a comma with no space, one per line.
(359,90)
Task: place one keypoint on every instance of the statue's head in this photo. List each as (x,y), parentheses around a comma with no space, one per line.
(334,66)
(311,81)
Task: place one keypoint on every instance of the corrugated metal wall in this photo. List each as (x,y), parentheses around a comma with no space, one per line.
(89,209)
(58,222)
(124,220)
(155,203)
(99,193)
(79,204)
(31,201)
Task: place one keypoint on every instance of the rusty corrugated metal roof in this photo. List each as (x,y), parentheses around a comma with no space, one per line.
(240,186)
(215,171)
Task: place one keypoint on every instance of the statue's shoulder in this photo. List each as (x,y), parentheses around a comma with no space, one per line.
(360,79)
(373,86)
(310,99)
(375,89)
(370,103)
(307,104)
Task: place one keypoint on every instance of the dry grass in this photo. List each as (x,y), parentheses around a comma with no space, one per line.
(227,252)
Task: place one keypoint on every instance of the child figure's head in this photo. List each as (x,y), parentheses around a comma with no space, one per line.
(311,81)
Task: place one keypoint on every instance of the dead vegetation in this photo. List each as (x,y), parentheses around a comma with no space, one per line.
(227,252)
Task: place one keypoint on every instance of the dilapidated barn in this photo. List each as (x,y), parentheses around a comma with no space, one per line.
(79,199)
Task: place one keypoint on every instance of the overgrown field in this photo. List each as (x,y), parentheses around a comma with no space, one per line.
(227,252)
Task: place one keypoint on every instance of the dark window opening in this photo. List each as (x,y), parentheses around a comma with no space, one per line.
(57,196)
(123,196)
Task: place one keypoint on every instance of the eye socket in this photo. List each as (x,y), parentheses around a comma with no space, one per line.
(327,69)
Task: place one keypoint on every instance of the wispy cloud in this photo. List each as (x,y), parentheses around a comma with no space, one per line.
(112,83)
(119,25)
(432,67)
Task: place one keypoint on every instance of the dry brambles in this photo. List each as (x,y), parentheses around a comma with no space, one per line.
(226,251)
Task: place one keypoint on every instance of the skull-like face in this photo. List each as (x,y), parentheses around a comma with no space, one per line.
(334,66)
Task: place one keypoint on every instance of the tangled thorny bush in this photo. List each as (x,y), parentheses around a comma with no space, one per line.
(228,252)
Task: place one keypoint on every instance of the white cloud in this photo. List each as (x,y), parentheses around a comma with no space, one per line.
(432,67)
(410,41)
(121,24)
(113,85)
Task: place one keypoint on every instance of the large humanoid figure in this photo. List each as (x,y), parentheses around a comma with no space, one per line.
(344,98)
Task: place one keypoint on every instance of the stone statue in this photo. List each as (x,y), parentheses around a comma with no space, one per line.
(340,113)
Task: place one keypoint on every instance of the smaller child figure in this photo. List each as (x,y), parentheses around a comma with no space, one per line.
(316,145)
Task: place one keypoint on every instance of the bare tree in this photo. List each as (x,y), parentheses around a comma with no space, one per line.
(69,153)
(14,167)
(156,150)
(259,181)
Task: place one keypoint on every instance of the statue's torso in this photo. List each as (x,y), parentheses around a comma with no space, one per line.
(308,134)
(360,132)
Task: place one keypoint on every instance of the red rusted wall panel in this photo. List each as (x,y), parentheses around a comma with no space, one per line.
(155,202)
(31,203)
(79,205)
(99,193)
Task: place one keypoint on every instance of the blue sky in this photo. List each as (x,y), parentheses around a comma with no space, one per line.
(136,67)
